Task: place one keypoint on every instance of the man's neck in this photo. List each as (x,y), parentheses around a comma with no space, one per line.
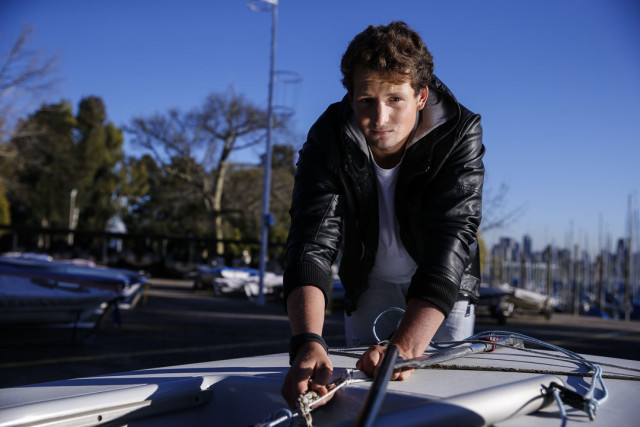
(386,159)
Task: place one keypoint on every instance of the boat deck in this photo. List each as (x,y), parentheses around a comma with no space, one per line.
(481,389)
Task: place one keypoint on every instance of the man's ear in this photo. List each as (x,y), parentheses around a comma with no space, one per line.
(422,97)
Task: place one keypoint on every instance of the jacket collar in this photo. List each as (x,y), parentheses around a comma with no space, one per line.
(441,107)
(353,131)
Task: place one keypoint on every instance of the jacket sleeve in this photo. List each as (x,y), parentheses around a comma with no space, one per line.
(316,223)
(452,205)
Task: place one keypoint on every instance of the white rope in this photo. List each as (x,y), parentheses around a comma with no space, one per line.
(304,403)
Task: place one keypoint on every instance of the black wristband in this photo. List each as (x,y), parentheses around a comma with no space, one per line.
(299,340)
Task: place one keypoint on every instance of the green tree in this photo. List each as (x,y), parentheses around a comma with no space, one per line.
(283,157)
(242,200)
(137,177)
(98,153)
(283,171)
(157,202)
(44,167)
(6,166)
(66,153)
(176,204)
(5,217)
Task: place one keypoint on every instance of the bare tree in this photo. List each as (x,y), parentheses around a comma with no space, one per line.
(204,139)
(26,77)
(496,213)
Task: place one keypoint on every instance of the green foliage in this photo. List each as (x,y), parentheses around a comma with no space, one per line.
(6,168)
(159,203)
(45,165)
(185,186)
(56,153)
(242,201)
(193,150)
(283,157)
(283,171)
(5,218)
(98,151)
(136,178)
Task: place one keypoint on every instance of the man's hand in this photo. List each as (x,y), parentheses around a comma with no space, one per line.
(310,371)
(419,323)
(370,361)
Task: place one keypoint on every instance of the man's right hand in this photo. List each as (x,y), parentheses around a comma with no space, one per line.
(310,371)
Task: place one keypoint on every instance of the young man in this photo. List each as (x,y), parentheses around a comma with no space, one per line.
(390,178)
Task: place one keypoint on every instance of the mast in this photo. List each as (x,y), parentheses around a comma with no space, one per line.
(628,264)
(602,269)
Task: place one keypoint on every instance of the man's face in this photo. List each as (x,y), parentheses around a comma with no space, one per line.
(385,113)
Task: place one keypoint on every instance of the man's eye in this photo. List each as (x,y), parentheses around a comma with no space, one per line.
(396,99)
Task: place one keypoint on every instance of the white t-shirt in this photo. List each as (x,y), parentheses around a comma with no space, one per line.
(393,262)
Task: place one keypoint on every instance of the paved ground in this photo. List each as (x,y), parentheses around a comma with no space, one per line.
(177,325)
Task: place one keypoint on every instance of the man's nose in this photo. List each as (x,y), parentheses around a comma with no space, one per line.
(381,113)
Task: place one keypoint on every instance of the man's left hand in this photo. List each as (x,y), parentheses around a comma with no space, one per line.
(370,361)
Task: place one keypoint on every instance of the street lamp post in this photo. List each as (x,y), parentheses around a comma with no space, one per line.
(267,217)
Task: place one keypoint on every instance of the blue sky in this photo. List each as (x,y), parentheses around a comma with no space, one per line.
(556,81)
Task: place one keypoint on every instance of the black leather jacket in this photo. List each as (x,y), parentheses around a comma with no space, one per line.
(438,204)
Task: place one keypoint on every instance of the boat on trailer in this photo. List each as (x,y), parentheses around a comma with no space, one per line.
(36,301)
(494,378)
(504,299)
(241,280)
(127,284)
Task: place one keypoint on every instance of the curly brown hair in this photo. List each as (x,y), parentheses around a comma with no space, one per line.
(394,50)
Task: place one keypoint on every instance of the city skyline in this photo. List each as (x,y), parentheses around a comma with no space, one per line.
(606,240)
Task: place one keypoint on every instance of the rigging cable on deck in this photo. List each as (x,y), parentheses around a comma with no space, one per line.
(563,396)
(587,403)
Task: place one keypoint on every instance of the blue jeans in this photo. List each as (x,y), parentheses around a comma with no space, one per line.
(389,299)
